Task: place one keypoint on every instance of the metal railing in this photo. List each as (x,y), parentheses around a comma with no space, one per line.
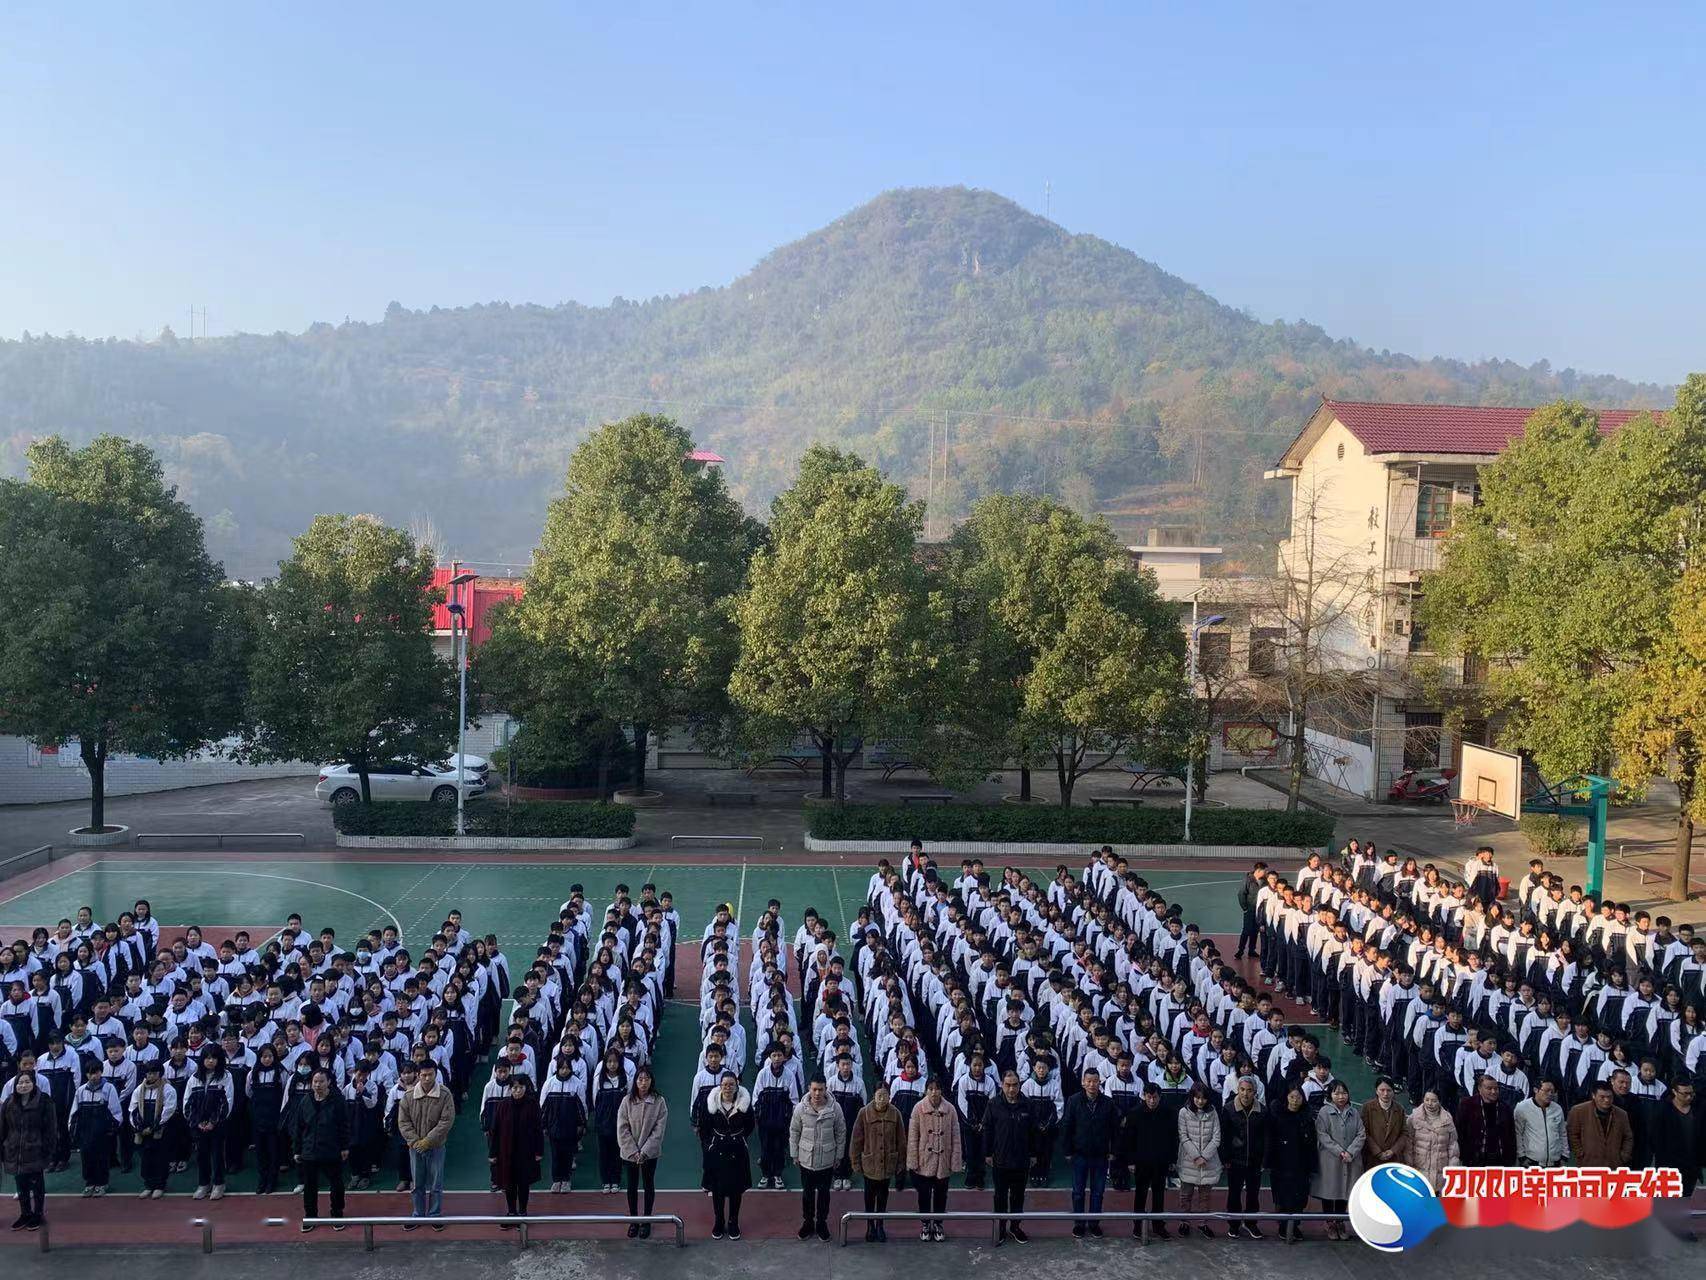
(520,1222)
(218,837)
(674,840)
(1066,1215)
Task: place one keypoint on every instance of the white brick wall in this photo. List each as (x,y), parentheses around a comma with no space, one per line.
(22,782)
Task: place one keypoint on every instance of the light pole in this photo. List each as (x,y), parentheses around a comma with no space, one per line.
(459,641)
(1191,680)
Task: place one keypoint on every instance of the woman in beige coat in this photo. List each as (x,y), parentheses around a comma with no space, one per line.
(1433,1140)
(933,1155)
(641,1120)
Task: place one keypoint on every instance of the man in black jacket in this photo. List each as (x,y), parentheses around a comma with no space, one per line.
(319,1128)
(1087,1129)
(1249,935)
(1007,1142)
(1243,1149)
(1153,1138)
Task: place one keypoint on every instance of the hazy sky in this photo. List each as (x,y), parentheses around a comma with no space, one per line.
(1490,180)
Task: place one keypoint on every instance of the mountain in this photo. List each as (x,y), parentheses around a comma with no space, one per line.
(953,338)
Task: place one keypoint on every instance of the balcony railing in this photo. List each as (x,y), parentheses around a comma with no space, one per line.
(1413,555)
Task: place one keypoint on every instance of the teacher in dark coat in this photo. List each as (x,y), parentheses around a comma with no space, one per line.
(518,1141)
(725,1131)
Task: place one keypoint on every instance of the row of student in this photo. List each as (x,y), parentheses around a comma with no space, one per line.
(1439,1017)
(180,1049)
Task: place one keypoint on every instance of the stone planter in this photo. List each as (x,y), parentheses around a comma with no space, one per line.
(638,799)
(550,793)
(1019,800)
(491,844)
(83,838)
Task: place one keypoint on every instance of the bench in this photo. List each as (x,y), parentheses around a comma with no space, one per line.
(802,764)
(218,837)
(929,797)
(1133,801)
(890,757)
(1144,776)
(715,798)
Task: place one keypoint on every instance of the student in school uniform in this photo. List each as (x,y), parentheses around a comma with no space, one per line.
(152,1106)
(775,1094)
(95,1122)
(610,1086)
(1042,1091)
(562,1109)
(265,1088)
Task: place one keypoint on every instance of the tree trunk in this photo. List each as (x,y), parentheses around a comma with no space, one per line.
(1294,783)
(1025,782)
(1686,780)
(641,733)
(604,772)
(366,786)
(826,752)
(95,761)
(1064,776)
(842,760)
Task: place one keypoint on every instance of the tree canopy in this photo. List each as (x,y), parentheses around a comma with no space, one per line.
(343,667)
(119,634)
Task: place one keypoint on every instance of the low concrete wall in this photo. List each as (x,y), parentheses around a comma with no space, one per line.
(1041,849)
(488,844)
(28,777)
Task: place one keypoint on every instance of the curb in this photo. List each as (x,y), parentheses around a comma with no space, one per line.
(489,844)
(1050,849)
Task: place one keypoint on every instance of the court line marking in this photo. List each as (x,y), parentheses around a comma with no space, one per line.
(63,875)
(449,889)
(740,897)
(258,875)
(409,893)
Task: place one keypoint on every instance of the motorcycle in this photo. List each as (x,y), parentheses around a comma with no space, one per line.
(1430,786)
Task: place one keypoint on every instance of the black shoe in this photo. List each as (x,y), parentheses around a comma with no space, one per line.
(411,1226)
(1159,1230)
(1184,1230)
(1253,1233)
(633,1231)
(870,1233)
(734,1231)
(1207,1231)
(1018,1233)
(34,1223)
(438,1226)
(1096,1229)
(339,1227)
(805,1231)
(645,1231)
(1078,1229)
(882,1233)
(306,1228)
(823,1231)
(716,1231)
(20,1222)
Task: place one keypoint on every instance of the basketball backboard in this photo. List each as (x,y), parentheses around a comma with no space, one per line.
(1491,779)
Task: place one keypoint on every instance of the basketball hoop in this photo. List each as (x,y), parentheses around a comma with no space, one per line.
(1464,812)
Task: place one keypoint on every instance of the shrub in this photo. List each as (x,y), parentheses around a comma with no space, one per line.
(1051,824)
(1550,835)
(552,754)
(532,818)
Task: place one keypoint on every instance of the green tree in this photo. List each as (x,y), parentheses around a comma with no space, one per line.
(1567,577)
(343,666)
(1098,655)
(836,619)
(632,584)
(118,625)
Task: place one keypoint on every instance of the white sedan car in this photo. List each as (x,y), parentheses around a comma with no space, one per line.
(340,784)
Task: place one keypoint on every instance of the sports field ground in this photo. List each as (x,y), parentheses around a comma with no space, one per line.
(518,901)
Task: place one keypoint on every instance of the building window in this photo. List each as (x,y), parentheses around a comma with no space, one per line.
(1214,652)
(1265,645)
(1433,510)
(1422,733)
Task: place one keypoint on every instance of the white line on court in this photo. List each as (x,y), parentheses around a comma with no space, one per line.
(260,875)
(63,875)
(740,898)
(449,889)
(409,892)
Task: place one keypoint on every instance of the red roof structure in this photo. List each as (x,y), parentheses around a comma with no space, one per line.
(706,456)
(1482,430)
(486,592)
(1444,428)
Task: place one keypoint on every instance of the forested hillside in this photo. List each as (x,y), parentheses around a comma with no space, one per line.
(1031,358)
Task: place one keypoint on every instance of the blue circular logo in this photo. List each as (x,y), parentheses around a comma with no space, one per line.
(1392,1208)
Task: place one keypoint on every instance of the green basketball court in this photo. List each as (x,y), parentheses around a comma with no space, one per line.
(518,901)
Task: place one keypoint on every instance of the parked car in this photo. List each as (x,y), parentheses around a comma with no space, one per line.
(478,767)
(340,784)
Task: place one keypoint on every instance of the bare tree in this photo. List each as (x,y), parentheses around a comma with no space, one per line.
(1309,663)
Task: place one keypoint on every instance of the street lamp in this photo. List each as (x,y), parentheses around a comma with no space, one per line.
(1191,680)
(459,641)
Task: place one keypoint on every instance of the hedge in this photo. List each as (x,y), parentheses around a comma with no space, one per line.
(529,818)
(1052,824)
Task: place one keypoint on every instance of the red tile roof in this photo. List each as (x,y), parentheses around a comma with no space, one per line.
(1444,428)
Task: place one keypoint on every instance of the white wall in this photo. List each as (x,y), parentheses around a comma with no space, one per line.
(28,777)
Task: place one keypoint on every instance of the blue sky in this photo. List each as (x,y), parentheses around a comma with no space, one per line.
(1480,180)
